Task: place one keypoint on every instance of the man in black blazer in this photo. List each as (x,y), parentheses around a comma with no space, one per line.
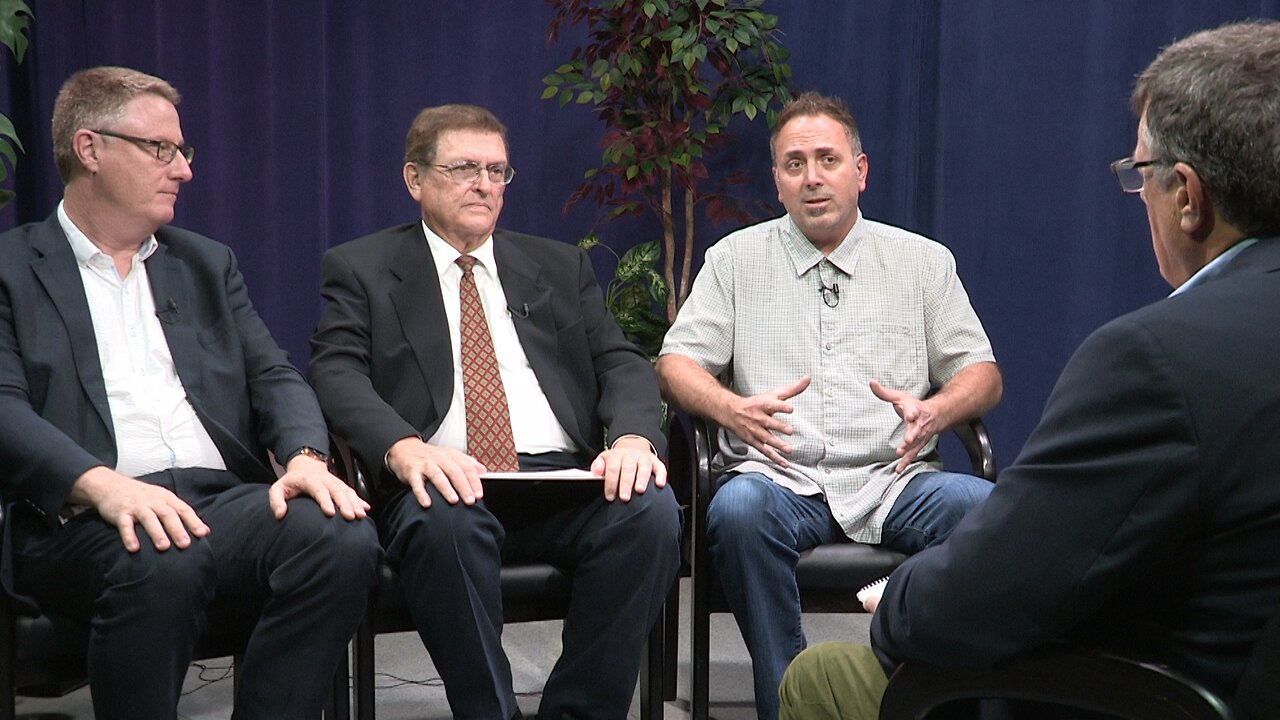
(140,395)
(1143,514)
(388,366)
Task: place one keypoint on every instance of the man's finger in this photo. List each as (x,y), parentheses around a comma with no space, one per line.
(794,389)
(417,484)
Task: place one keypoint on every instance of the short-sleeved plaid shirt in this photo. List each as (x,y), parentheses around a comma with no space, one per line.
(757,316)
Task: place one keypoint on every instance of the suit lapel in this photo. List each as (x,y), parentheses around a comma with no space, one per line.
(58,272)
(170,285)
(416,296)
(529,296)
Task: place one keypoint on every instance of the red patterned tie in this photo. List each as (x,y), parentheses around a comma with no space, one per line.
(489,437)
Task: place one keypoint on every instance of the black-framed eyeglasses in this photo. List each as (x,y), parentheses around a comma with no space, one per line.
(164,150)
(465,173)
(1129,172)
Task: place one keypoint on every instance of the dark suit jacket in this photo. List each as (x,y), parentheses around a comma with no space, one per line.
(54,419)
(382,365)
(1143,514)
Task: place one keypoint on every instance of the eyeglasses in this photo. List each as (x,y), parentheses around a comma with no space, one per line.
(165,151)
(1129,172)
(465,173)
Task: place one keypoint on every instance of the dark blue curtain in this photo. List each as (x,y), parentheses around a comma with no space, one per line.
(989,125)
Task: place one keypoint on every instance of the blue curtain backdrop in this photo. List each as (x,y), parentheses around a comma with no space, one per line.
(988,123)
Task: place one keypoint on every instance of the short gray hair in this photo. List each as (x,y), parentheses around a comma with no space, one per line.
(1212,100)
(94,99)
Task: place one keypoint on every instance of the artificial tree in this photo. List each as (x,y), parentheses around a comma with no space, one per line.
(665,78)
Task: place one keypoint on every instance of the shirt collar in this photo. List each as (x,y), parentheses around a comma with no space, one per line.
(84,249)
(804,256)
(445,255)
(1214,268)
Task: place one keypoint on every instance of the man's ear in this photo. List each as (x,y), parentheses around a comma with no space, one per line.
(85,146)
(413,180)
(1195,210)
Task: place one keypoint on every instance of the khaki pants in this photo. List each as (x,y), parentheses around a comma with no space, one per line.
(833,681)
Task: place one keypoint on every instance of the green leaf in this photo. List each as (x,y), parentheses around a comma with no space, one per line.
(650,10)
(632,172)
(5,197)
(549,92)
(7,131)
(689,61)
(14,15)
(6,151)
(589,241)
(750,112)
(584,97)
(731,44)
(565,96)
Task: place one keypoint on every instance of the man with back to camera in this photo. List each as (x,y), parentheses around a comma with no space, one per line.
(140,394)
(1142,515)
(828,433)
(449,348)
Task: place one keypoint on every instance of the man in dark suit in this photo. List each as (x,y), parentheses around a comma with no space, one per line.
(1143,514)
(139,389)
(448,349)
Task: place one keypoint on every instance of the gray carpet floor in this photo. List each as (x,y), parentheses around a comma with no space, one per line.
(407,685)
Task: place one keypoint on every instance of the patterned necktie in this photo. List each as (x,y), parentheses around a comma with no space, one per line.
(489,437)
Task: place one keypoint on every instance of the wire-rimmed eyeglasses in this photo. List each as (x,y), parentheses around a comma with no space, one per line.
(164,150)
(1129,172)
(465,173)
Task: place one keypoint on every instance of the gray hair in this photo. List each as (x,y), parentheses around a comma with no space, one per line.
(1212,100)
(94,99)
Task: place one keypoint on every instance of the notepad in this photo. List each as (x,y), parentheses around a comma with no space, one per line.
(567,474)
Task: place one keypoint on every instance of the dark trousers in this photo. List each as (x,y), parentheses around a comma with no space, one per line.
(623,558)
(295,588)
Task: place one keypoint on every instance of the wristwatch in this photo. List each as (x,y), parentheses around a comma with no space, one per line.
(309,452)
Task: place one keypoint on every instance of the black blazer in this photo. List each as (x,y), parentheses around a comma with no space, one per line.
(54,419)
(1143,515)
(382,365)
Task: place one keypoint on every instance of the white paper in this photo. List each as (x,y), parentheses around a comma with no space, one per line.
(567,474)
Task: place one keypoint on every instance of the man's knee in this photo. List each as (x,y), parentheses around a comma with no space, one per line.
(160,582)
(740,507)
(410,530)
(832,681)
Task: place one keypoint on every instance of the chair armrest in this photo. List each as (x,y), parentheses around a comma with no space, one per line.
(1079,679)
(1090,680)
(977,444)
(343,464)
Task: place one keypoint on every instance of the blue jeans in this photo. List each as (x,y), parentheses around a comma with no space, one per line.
(757,530)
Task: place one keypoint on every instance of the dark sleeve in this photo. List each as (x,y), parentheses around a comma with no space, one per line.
(340,371)
(40,462)
(1105,485)
(629,401)
(284,406)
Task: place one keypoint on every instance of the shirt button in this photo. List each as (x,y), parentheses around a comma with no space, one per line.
(831,442)
(827,470)
(827,347)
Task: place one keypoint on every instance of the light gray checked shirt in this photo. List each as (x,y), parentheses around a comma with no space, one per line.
(756,315)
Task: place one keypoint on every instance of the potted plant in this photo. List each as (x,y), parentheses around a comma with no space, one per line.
(665,77)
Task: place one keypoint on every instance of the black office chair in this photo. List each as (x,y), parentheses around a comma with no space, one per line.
(530,591)
(1121,688)
(829,576)
(46,655)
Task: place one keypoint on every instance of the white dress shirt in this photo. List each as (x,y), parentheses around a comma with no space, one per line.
(533,425)
(154,424)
